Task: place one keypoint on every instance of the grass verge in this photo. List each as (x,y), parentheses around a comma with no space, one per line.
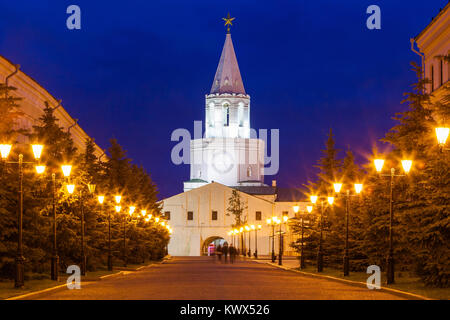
(403,281)
(7,289)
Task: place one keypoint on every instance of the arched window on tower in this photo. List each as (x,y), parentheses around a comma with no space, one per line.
(249,171)
(241,114)
(226,115)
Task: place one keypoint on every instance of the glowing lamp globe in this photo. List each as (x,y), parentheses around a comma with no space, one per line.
(442,135)
(330,200)
(70,188)
(5,149)
(40,169)
(337,187)
(358,187)
(37,150)
(66,169)
(379,163)
(406,164)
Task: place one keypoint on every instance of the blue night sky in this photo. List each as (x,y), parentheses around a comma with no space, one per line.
(140,69)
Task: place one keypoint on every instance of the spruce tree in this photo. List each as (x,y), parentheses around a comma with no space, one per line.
(423,197)
(11,113)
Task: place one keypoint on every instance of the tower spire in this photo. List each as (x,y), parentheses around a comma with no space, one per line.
(228,77)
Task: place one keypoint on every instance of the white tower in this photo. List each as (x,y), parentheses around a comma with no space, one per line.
(227,154)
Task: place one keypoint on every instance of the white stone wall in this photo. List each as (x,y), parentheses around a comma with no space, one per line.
(189,235)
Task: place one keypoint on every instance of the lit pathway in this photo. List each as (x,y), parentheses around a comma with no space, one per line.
(203,278)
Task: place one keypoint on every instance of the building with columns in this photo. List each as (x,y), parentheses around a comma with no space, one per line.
(433,43)
(228,158)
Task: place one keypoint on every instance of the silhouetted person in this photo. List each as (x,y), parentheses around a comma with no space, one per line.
(225,252)
(219,252)
(233,252)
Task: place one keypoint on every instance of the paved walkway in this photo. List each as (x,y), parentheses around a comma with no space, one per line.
(203,278)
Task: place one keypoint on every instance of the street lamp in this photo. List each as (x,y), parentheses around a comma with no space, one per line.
(91,189)
(280,245)
(346,263)
(70,188)
(271,222)
(406,164)
(130,212)
(241,232)
(330,200)
(256,228)
(296,209)
(66,169)
(442,135)
(101,199)
(40,169)
(247,228)
(5,150)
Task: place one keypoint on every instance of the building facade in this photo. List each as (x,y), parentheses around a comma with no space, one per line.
(433,43)
(200,216)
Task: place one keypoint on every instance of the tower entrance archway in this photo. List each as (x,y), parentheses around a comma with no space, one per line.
(213,242)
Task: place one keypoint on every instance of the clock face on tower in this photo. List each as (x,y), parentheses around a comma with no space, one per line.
(222,162)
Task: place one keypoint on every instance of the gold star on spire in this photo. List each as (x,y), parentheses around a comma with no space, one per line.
(228,22)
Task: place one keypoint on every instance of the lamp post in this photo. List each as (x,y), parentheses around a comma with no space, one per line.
(232,237)
(281,246)
(296,209)
(253,227)
(91,188)
(130,212)
(101,199)
(5,149)
(337,188)
(118,209)
(272,223)
(247,228)
(66,169)
(70,190)
(241,232)
(320,249)
(406,164)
